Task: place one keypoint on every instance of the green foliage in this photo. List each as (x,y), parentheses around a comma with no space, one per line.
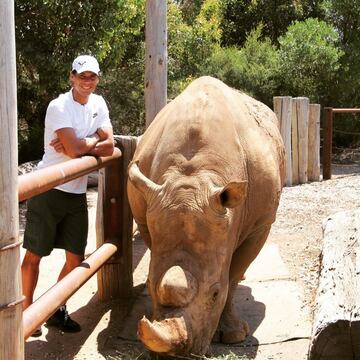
(189,45)
(243,16)
(344,16)
(252,69)
(309,59)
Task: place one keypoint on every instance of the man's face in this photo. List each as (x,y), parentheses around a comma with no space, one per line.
(84,83)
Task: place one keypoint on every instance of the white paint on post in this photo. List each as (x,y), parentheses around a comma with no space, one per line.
(283,110)
(155,58)
(314,143)
(11,334)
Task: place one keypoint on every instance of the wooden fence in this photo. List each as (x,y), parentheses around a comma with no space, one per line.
(300,129)
(113,257)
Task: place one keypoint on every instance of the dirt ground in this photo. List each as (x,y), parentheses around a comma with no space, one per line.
(297,232)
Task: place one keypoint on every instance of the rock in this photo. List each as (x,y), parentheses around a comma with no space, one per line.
(27,167)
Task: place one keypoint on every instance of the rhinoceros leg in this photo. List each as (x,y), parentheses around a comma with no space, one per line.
(231,328)
(144,232)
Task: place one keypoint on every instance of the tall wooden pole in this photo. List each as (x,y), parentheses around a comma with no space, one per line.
(155,58)
(314,143)
(11,333)
(283,111)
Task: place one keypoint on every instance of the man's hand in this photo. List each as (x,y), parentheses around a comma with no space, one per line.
(57,145)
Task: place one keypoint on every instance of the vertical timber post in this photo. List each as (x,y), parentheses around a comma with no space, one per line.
(303,126)
(114,223)
(327,143)
(11,334)
(283,109)
(155,58)
(314,143)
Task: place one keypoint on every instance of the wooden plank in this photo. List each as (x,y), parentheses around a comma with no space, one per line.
(295,142)
(155,58)
(114,223)
(283,110)
(336,328)
(11,333)
(302,104)
(314,143)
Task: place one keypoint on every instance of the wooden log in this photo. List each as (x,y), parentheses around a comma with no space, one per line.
(114,223)
(336,327)
(155,58)
(300,139)
(314,143)
(11,333)
(283,110)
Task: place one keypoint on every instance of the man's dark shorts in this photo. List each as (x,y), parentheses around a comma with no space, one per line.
(56,219)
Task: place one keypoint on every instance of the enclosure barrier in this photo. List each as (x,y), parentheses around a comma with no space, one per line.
(328,135)
(113,228)
(299,124)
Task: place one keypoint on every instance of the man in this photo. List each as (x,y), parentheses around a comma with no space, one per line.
(76,123)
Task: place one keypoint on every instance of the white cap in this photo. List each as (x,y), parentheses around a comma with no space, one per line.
(86,63)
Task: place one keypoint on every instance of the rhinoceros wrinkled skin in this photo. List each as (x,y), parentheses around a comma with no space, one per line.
(204,186)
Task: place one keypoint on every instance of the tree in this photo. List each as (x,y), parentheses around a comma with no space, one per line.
(190,45)
(243,16)
(344,16)
(309,60)
(252,69)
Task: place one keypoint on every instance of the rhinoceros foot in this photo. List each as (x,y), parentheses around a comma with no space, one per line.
(235,335)
(231,329)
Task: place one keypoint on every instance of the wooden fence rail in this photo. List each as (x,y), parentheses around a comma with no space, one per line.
(113,228)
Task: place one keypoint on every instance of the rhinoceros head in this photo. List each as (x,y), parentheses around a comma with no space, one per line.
(190,221)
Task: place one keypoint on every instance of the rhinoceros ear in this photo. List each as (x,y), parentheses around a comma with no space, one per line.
(233,194)
(140,181)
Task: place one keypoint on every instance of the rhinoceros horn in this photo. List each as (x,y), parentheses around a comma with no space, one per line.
(140,181)
(177,287)
(167,336)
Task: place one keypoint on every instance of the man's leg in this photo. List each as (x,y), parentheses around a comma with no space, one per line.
(61,318)
(72,261)
(30,275)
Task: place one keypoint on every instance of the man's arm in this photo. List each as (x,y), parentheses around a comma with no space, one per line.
(99,144)
(105,145)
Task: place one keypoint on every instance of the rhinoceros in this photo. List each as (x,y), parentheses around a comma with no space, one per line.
(204,186)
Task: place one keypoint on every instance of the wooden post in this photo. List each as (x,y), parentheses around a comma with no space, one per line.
(300,138)
(327,143)
(295,143)
(114,223)
(336,328)
(283,109)
(314,143)
(155,58)
(11,333)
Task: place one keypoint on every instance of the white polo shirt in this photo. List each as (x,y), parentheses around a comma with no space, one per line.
(65,112)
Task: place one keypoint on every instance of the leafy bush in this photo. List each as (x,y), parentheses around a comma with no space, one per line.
(252,69)
(309,60)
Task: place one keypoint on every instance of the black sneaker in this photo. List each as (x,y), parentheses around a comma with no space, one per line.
(62,320)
